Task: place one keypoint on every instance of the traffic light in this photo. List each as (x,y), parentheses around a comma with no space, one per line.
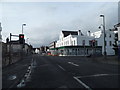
(21,38)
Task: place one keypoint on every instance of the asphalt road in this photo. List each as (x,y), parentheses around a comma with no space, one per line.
(61,72)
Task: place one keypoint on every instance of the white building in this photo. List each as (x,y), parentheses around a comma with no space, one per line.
(73,38)
(118,28)
(37,51)
(0,33)
(118,32)
(109,41)
(83,44)
(0,52)
(75,43)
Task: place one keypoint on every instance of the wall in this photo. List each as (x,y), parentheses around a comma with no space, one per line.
(0,57)
(0,65)
(0,33)
(109,49)
(79,51)
(118,33)
(16,54)
(77,40)
(86,38)
(119,41)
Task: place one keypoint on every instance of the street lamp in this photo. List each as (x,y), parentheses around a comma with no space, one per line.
(104,32)
(22,27)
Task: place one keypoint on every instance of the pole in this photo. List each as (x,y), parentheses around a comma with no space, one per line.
(22,28)
(104,35)
(104,47)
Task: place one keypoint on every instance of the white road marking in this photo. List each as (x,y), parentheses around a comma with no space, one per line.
(21,84)
(27,75)
(86,86)
(12,77)
(61,68)
(73,64)
(14,84)
(97,75)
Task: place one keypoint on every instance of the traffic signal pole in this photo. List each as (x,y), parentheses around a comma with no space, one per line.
(21,41)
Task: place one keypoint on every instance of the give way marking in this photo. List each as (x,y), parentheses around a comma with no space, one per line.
(73,64)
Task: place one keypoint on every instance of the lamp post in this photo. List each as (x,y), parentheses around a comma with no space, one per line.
(22,27)
(104,33)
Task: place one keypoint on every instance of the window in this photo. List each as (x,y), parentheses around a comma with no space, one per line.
(73,50)
(110,35)
(83,42)
(110,43)
(90,43)
(96,43)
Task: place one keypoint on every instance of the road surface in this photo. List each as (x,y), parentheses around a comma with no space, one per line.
(60,72)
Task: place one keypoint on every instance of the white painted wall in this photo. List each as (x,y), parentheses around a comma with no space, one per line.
(1,65)
(0,57)
(100,40)
(74,40)
(86,38)
(37,51)
(118,33)
(0,33)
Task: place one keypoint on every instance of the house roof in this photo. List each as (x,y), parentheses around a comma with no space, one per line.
(66,33)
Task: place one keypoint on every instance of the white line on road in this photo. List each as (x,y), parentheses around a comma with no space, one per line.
(73,64)
(97,75)
(86,86)
(14,83)
(61,68)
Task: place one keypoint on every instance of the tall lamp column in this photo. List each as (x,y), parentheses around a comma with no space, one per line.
(104,33)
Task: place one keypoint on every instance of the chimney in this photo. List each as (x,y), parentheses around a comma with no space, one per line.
(79,32)
(7,40)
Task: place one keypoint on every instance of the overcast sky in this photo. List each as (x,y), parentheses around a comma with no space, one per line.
(45,20)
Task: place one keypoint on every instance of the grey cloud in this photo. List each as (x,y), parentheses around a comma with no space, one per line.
(44,35)
(49,29)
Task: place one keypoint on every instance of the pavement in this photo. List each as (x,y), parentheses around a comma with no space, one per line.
(13,73)
(108,59)
(61,72)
